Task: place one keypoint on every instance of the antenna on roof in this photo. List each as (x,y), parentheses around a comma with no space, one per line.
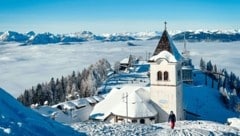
(185,52)
(185,48)
(125,99)
(165,24)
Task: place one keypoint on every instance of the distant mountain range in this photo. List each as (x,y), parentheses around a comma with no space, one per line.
(31,37)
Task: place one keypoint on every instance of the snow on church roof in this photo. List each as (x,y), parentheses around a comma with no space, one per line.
(139,104)
(164,55)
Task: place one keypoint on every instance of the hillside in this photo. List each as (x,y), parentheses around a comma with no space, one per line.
(15,119)
(198,99)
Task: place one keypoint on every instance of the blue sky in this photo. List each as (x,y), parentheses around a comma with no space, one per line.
(108,16)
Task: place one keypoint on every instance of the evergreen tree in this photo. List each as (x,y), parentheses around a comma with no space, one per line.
(209,66)
(27,98)
(52,86)
(60,91)
(202,64)
(215,68)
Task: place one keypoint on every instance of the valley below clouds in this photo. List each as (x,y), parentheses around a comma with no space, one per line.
(22,67)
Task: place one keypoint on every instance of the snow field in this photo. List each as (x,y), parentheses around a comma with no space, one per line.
(183,128)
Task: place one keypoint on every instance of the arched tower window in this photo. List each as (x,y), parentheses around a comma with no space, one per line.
(165,76)
(159,75)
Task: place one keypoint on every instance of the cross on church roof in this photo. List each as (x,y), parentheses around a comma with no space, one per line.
(165,23)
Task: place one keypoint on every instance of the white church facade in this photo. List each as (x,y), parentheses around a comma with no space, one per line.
(149,104)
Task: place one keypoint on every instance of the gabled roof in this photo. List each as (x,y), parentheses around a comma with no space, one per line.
(139,105)
(166,44)
(124,61)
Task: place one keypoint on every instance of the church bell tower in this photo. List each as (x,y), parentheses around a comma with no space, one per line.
(166,79)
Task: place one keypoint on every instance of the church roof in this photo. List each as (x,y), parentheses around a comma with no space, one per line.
(166,44)
(139,104)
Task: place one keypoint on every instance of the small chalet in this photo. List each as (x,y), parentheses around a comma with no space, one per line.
(126,63)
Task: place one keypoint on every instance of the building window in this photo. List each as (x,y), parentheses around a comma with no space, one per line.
(142,121)
(152,118)
(159,75)
(165,76)
(134,121)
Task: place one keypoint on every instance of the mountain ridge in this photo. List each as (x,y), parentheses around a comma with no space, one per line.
(32,38)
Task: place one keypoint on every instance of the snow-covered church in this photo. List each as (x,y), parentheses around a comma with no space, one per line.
(153,103)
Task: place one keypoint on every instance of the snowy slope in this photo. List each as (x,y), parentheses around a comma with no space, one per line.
(183,128)
(198,99)
(206,102)
(15,119)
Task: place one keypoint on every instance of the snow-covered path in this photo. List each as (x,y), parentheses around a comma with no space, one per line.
(183,128)
(196,128)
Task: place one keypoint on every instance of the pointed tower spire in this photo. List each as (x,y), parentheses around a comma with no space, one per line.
(166,43)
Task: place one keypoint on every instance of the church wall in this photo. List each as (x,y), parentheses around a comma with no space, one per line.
(167,95)
(118,119)
(168,99)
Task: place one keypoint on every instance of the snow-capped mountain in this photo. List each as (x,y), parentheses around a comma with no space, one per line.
(81,37)
(13,36)
(44,38)
(191,36)
(135,35)
(198,36)
(30,34)
(15,119)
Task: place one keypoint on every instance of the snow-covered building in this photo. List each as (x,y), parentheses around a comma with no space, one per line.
(70,111)
(148,104)
(128,104)
(187,66)
(126,63)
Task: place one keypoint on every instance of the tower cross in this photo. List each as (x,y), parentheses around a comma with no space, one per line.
(165,24)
